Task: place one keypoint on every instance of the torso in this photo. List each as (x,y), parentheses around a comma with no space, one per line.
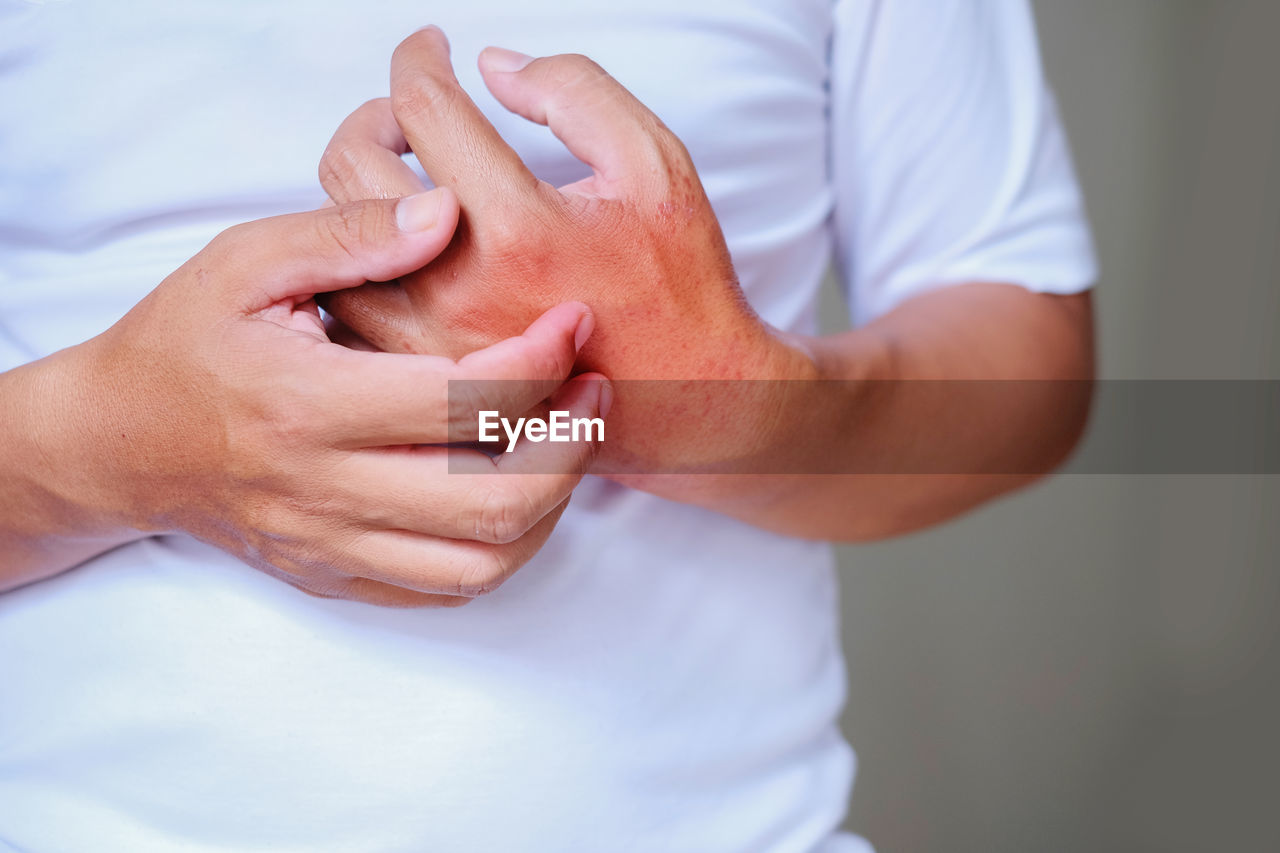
(658,678)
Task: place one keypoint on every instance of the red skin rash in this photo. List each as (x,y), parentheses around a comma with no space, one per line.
(637,242)
(659,281)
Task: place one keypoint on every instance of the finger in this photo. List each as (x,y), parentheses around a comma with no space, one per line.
(363,159)
(438,566)
(452,139)
(302,254)
(463,494)
(598,120)
(369,399)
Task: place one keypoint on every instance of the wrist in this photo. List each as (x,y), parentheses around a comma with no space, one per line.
(821,391)
(62,459)
(46,526)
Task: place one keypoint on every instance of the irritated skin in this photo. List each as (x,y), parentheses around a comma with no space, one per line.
(639,243)
(652,276)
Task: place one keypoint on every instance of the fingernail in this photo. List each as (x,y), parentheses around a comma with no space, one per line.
(506,61)
(586,325)
(418,212)
(606,398)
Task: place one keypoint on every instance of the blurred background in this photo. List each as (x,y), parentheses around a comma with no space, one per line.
(1094,664)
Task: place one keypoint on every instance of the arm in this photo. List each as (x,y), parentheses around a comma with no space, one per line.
(962,443)
(648,254)
(950,165)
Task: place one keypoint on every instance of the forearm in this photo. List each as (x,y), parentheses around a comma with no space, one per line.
(44,529)
(954,398)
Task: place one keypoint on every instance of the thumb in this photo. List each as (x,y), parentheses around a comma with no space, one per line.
(598,120)
(334,248)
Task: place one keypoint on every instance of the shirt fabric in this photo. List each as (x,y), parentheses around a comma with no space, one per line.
(659,677)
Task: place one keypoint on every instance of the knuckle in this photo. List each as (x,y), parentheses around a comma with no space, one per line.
(483,574)
(284,413)
(266,424)
(570,67)
(465,399)
(543,364)
(584,454)
(347,159)
(571,74)
(279,530)
(290,424)
(270,524)
(506,513)
(673,151)
(353,227)
(340,166)
(556,362)
(664,156)
(509,240)
(426,96)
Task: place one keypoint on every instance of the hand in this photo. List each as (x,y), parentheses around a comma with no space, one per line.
(637,240)
(218,407)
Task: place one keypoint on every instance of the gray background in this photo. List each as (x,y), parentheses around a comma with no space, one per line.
(1094,664)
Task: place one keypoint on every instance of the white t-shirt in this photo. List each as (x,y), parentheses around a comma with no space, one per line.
(659,677)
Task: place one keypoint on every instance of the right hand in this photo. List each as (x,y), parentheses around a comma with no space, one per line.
(638,240)
(218,407)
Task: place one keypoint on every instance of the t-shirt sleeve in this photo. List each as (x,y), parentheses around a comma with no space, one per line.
(948,157)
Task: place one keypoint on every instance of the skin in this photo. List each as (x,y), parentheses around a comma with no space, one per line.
(218,407)
(638,241)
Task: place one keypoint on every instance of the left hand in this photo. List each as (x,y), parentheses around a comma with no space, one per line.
(637,241)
